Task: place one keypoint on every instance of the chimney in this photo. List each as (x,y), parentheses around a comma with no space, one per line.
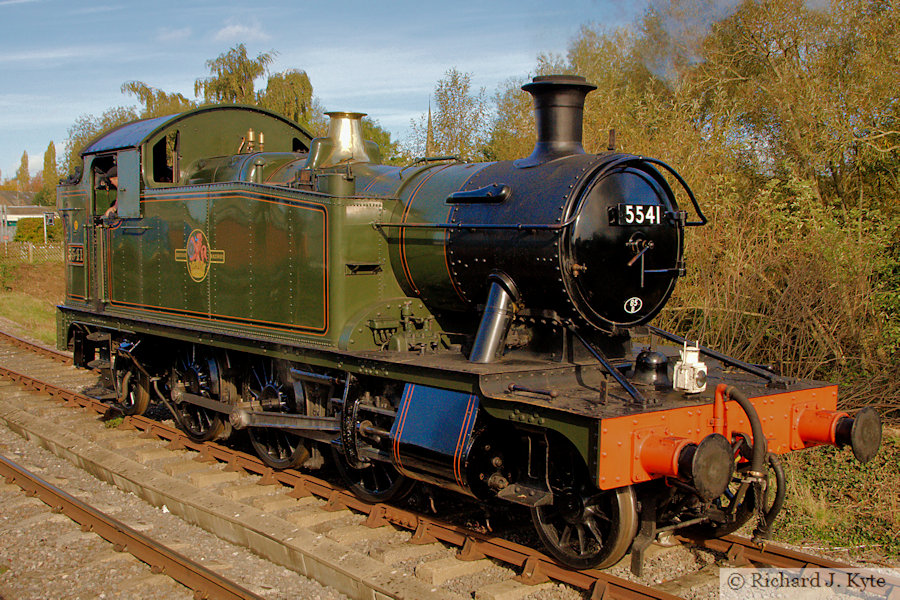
(559,115)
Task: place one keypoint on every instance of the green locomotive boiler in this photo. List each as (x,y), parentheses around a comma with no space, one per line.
(467,325)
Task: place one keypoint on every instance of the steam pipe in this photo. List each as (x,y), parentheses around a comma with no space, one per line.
(496,319)
(759,451)
(760,445)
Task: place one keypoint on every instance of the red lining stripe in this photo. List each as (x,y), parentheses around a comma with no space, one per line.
(460,443)
(403,261)
(400,423)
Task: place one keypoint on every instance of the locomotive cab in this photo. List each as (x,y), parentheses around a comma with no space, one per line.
(104,219)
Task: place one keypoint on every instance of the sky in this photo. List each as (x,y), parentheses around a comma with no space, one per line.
(61,59)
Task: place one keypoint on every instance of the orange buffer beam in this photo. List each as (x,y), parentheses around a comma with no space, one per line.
(622,438)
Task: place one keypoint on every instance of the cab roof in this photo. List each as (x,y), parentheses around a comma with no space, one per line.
(135,133)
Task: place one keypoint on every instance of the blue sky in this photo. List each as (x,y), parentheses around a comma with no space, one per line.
(61,59)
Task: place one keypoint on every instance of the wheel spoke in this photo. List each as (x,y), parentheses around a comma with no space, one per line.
(591,525)
(582,542)
(593,512)
(565,539)
(196,377)
(263,385)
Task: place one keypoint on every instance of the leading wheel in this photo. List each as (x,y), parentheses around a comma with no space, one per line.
(197,374)
(584,527)
(271,391)
(587,528)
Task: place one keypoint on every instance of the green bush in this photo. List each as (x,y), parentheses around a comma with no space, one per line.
(32,230)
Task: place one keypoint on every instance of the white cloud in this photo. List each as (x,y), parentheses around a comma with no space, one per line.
(9,2)
(170,34)
(50,55)
(233,31)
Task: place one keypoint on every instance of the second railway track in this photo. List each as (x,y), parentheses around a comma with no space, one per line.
(313,526)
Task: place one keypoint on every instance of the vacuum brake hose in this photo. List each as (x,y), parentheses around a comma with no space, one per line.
(760,445)
(758,459)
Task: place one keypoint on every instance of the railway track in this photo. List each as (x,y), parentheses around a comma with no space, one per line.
(204,582)
(471,551)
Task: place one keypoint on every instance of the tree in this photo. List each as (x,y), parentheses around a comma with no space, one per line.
(231,77)
(290,94)
(46,196)
(513,131)
(815,90)
(460,119)
(23,178)
(372,130)
(88,128)
(156,102)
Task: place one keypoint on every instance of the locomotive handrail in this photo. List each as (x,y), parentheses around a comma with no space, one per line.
(773,378)
(616,374)
(677,176)
(537,226)
(427,159)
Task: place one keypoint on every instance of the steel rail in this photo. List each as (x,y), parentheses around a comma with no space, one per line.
(204,583)
(536,567)
(743,552)
(36,348)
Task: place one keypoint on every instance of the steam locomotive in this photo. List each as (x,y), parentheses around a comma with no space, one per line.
(479,327)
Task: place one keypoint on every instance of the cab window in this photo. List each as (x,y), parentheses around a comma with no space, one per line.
(165,158)
(104,171)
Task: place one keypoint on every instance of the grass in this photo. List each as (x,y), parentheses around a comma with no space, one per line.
(28,298)
(113,423)
(833,500)
(35,317)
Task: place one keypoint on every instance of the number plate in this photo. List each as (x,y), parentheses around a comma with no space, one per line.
(636,214)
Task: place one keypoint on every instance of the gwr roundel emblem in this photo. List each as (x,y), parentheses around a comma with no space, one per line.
(197,255)
(633,305)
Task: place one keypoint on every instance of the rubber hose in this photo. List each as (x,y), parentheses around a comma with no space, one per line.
(760,445)
(762,531)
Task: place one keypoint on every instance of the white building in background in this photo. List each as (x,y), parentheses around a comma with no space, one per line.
(15,206)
